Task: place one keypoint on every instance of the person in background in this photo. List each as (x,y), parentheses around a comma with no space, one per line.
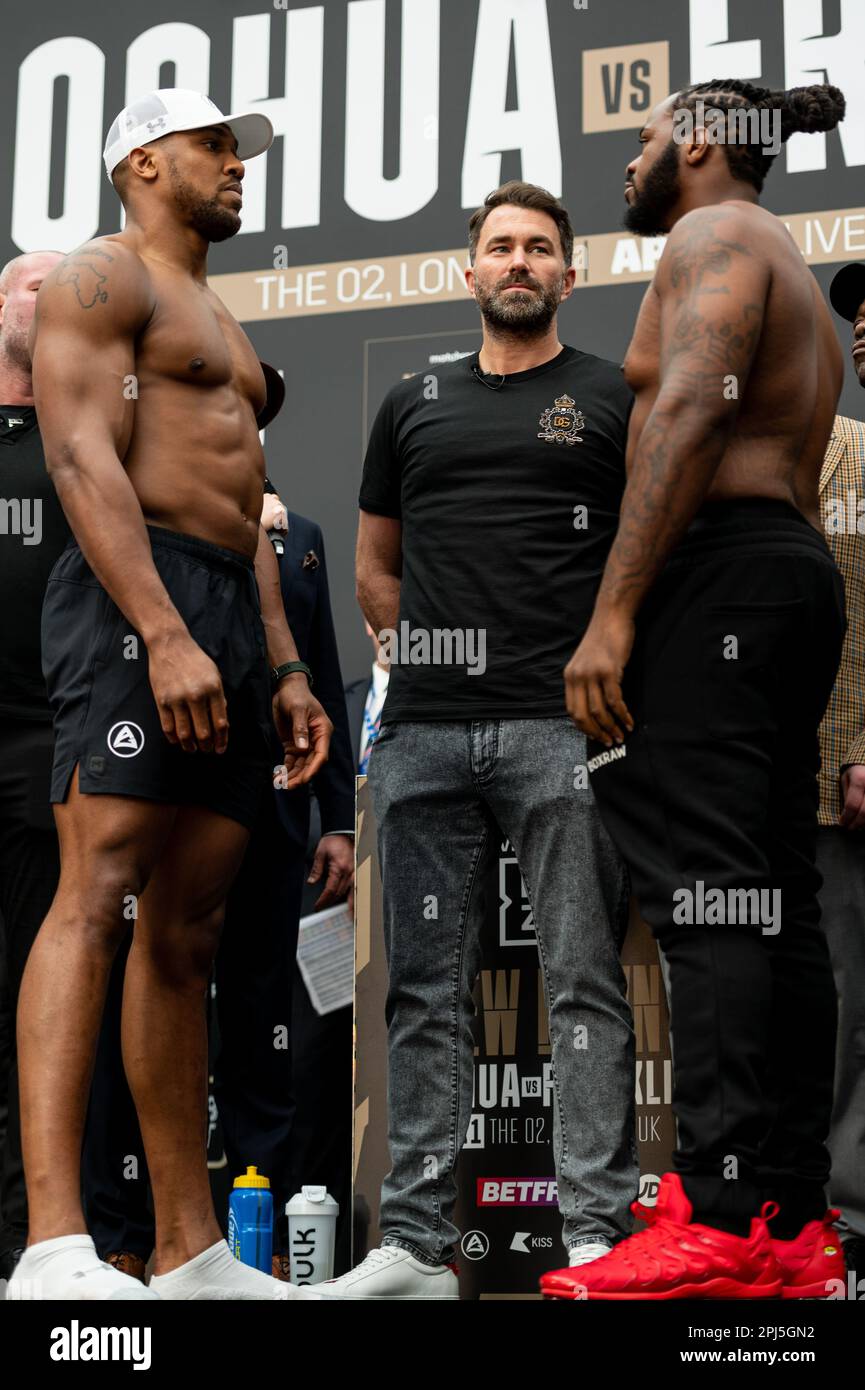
(841,838)
(255,964)
(367,696)
(33,537)
(321,1139)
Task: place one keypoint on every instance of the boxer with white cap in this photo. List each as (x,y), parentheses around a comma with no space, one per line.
(167,654)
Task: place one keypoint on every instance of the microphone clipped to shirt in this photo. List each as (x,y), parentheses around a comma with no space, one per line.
(482,378)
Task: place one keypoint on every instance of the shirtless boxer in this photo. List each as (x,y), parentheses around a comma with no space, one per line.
(702,678)
(157,662)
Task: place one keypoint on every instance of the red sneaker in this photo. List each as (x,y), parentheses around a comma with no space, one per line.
(675,1258)
(814,1258)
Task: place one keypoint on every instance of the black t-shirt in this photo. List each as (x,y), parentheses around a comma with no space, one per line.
(509,502)
(33,532)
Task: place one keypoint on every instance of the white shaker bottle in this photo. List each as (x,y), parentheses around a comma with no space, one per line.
(312,1214)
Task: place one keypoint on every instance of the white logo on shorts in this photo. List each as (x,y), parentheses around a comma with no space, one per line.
(125,739)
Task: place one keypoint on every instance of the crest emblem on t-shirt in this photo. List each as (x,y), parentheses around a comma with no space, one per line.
(561,423)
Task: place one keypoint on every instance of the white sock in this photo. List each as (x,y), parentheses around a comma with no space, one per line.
(216,1274)
(68,1268)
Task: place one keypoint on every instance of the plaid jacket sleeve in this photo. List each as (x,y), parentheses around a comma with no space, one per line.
(842,485)
(855,752)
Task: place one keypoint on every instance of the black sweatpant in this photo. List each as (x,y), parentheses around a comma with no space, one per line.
(735,655)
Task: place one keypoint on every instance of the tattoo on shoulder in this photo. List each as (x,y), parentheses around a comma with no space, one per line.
(707,252)
(86,279)
(716,341)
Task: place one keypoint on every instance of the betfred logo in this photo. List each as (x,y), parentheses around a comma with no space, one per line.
(517,1192)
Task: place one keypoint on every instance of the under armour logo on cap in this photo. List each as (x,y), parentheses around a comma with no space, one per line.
(171,109)
(125,739)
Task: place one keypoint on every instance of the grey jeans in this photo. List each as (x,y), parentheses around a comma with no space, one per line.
(841,861)
(442,793)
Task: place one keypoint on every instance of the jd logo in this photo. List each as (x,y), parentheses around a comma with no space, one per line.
(649,1185)
(125,739)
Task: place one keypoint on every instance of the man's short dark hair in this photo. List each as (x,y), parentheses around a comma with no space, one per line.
(120,179)
(523,195)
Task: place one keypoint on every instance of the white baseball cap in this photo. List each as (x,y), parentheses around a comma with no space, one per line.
(175,108)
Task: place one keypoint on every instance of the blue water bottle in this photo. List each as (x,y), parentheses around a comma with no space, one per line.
(250,1221)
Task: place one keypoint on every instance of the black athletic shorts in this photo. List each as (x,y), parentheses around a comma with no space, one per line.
(105,715)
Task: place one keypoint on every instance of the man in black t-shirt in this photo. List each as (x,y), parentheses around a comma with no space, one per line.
(490,496)
(32,536)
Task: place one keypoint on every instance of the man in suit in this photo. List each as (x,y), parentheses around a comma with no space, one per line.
(841,840)
(255,964)
(365,701)
(321,1140)
(29,852)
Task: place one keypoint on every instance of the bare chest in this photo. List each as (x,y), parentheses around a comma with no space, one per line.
(641,365)
(193,339)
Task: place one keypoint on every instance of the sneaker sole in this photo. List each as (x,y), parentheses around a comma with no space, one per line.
(805,1290)
(716,1288)
(390,1297)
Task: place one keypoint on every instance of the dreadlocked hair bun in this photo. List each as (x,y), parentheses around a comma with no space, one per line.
(810,109)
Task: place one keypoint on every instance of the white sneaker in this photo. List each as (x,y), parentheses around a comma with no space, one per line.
(588,1251)
(68,1269)
(391,1272)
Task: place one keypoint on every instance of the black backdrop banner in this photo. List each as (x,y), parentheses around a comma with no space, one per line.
(394,118)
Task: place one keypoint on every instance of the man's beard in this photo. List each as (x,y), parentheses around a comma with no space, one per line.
(14,341)
(210,218)
(519,315)
(649,211)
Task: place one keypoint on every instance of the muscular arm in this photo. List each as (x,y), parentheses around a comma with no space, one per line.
(379,569)
(88,313)
(712,283)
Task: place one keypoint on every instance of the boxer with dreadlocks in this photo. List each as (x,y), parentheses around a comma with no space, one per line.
(701,681)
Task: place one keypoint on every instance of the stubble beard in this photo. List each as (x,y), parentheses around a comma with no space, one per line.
(14,339)
(210,218)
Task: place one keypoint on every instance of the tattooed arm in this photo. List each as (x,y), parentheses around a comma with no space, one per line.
(712,285)
(89,312)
